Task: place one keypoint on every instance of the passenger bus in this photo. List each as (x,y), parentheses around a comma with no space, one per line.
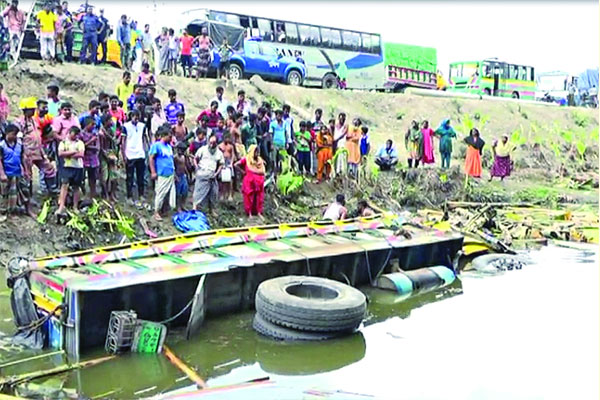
(330,55)
(492,77)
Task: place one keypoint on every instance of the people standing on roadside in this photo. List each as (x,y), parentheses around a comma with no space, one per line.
(353,147)
(502,166)
(15,21)
(124,40)
(71,150)
(205,44)
(446,133)
(208,163)
(46,23)
(162,42)
(324,154)
(339,140)
(145,40)
(277,130)
(428,134)
(387,156)
(474,150)
(133,144)
(90,25)
(302,140)
(13,179)
(253,184)
(162,170)
(187,42)
(103,33)
(413,141)
(173,107)
(68,31)
(225,52)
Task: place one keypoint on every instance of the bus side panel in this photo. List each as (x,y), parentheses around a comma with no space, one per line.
(361,70)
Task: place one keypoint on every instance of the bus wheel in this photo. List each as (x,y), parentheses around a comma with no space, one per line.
(329,81)
(294,78)
(487,92)
(235,72)
(515,95)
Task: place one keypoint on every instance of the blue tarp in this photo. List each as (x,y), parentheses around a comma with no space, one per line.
(588,79)
(191,221)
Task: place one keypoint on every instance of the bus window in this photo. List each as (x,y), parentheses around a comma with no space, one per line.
(376,43)
(351,40)
(522,73)
(266,30)
(280,32)
(291,32)
(488,71)
(366,43)
(331,38)
(469,70)
(530,74)
(455,71)
(309,35)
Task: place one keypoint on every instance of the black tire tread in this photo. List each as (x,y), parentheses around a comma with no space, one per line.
(271,330)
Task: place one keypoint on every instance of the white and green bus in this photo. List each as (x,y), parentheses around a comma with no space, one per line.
(331,55)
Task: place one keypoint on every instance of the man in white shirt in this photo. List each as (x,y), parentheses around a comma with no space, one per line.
(223,104)
(133,144)
(208,161)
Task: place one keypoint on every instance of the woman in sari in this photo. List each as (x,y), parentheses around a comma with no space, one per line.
(205,43)
(162,42)
(254,181)
(446,133)
(413,141)
(324,153)
(502,163)
(353,147)
(428,134)
(474,149)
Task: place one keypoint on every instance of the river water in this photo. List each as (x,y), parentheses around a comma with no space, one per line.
(523,334)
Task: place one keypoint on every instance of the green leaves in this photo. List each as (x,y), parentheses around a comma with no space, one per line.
(43,215)
(289,183)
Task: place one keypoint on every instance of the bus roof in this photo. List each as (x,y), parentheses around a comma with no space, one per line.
(208,10)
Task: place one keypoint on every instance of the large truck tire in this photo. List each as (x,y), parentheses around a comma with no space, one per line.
(310,304)
(266,328)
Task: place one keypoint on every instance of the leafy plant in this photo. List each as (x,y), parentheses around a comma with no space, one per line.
(400,115)
(579,118)
(517,138)
(43,215)
(289,183)
(581,148)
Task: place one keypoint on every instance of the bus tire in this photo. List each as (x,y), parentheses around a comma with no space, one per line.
(294,78)
(515,95)
(329,81)
(269,329)
(235,72)
(309,303)
(487,92)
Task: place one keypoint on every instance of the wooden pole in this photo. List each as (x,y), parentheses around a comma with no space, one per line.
(184,368)
(22,360)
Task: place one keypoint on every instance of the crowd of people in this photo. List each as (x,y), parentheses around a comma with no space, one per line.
(229,147)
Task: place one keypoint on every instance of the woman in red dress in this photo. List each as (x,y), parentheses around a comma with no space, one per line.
(254,181)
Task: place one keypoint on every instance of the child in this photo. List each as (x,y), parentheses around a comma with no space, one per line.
(181,178)
(180,131)
(173,52)
(146,77)
(302,141)
(200,140)
(229,153)
(71,150)
(12,167)
(91,161)
(219,131)
(225,52)
(365,144)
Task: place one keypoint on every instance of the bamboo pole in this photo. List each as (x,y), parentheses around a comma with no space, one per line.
(13,380)
(184,368)
(22,360)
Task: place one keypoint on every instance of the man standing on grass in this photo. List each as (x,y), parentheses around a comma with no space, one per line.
(133,140)
(90,25)
(15,21)
(209,162)
(162,170)
(222,103)
(46,22)
(103,36)
(124,40)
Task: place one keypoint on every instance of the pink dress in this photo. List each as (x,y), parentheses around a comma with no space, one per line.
(427,146)
(4,106)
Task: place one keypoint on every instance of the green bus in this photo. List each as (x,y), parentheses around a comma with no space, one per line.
(492,77)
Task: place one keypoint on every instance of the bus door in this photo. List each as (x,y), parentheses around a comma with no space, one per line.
(499,70)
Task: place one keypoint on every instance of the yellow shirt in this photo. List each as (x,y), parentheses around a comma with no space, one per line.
(68,145)
(47,21)
(124,92)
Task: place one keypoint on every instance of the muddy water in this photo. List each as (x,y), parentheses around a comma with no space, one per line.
(524,334)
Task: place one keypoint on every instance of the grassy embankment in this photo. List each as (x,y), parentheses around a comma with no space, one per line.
(556,161)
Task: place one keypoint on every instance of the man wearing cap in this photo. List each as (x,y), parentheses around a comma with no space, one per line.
(32,143)
(91,26)
(15,21)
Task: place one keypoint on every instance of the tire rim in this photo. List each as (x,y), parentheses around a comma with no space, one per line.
(234,73)
(294,79)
